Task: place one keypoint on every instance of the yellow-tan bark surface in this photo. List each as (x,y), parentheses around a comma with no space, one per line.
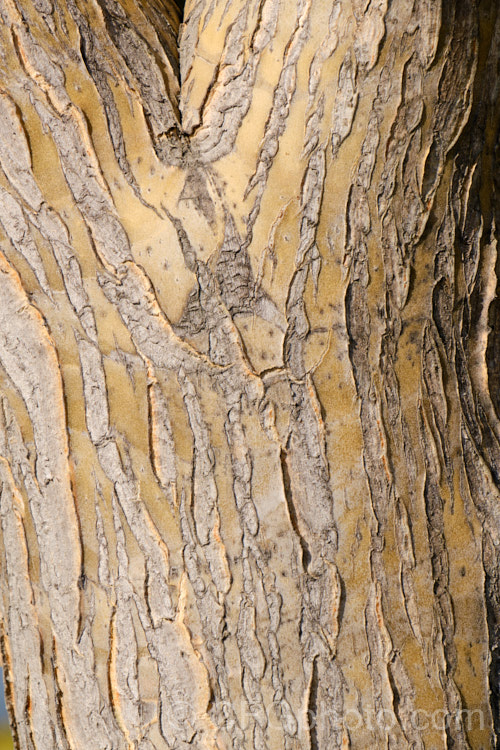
(249,374)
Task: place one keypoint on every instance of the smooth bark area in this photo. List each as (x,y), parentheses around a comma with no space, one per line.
(250,374)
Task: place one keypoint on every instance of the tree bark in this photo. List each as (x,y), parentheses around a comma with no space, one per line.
(250,374)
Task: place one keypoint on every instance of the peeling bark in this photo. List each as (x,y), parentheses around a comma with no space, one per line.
(249,374)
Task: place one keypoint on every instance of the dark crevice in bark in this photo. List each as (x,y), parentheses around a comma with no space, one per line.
(287,489)
(396,695)
(466,397)
(442,314)
(167,17)
(491,561)
(312,712)
(157,83)
(358,325)
(28,710)
(433,165)
(59,699)
(493,348)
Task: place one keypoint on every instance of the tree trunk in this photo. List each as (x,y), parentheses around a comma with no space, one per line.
(250,374)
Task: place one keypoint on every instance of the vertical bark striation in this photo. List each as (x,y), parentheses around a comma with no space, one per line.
(249,427)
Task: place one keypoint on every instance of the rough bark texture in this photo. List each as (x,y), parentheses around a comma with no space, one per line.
(250,374)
